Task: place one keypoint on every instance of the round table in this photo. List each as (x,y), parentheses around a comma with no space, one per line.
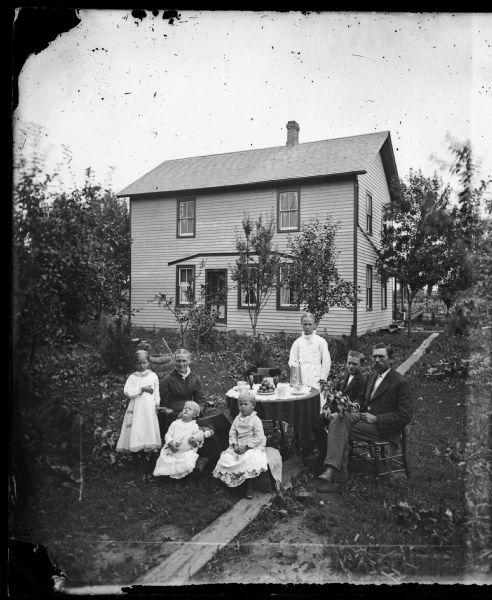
(301,411)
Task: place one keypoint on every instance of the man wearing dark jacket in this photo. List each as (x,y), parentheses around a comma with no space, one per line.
(175,390)
(353,381)
(352,385)
(387,405)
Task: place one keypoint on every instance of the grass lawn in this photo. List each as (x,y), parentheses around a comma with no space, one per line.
(397,530)
(104,523)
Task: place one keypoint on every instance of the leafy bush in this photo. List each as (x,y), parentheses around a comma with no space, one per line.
(116,347)
(458,324)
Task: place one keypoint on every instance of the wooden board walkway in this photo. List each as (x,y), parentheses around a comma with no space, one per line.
(417,354)
(194,554)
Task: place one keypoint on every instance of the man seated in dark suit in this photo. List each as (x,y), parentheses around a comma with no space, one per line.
(352,385)
(387,405)
(175,390)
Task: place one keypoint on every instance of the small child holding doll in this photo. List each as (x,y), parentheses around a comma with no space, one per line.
(246,457)
(140,428)
(183,438)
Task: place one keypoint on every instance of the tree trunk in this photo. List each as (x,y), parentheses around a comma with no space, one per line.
(410,301)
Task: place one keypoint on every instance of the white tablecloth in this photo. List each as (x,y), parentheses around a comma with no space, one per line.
(234,393)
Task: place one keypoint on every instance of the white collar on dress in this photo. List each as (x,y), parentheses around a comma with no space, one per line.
(142,373)
(185,375)
(310,336)
(248,416)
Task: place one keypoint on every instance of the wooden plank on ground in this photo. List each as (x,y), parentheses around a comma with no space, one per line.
(413,358)
(177,568)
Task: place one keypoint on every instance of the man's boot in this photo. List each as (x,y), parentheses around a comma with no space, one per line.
(329,474)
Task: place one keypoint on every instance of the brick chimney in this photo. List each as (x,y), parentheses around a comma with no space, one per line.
(292,133)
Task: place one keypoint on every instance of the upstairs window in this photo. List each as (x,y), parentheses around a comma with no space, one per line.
(286,298)
(185,285)
(369,287)
(248,287)
(186,218)
(369,214)
(288,208)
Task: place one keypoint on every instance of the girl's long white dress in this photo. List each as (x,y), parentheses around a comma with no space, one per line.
(311,353)
(233,469)
(181,463)
(140,429)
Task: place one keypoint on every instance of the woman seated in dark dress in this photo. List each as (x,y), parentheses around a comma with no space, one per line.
(180,386)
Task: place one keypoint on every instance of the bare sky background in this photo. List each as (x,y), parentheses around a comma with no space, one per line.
(125,94)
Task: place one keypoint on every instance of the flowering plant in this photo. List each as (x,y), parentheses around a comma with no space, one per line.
(335,402)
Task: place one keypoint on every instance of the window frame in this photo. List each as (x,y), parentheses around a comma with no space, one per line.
(289,307)
(240,304)
(178,287)
(290,229)
(369,213)
(179,201)
(369,290)
(384,294)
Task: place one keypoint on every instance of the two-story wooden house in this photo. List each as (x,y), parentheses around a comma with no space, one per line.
(188,210)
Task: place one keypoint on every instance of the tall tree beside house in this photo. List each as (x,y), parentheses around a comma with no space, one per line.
(415,234)
(71,257)
(313,274)
(467,226)
(256,268)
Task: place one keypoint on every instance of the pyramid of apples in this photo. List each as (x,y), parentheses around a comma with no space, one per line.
(266,386)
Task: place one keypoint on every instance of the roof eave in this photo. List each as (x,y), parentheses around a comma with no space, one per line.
(273,182)
(389,163)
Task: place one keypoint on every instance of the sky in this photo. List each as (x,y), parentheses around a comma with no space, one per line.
(121,95)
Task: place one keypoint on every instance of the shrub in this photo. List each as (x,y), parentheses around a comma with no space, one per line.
(116,348)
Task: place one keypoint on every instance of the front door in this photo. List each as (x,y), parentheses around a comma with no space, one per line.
(216,292)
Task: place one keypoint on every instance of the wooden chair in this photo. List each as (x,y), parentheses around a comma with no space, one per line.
(382,456)
(262,372)
(270,425)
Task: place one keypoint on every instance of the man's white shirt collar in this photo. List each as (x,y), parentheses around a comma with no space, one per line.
(383,375)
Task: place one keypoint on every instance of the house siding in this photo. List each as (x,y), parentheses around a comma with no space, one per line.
(373,182)
(218,223)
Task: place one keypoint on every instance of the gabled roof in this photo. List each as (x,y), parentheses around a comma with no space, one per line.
(340,156)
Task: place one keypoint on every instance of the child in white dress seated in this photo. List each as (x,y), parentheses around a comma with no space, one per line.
(183,438)
(246,457)
(140,429)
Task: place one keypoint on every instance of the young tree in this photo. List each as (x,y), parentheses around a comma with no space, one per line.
(256,268)
(414,237)
(313,274)
(196,315)
(468,282)
(466,228)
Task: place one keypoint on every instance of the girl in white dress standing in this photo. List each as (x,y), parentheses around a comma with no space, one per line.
(246,456)
(140,429)
(310,353)
(183,438)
